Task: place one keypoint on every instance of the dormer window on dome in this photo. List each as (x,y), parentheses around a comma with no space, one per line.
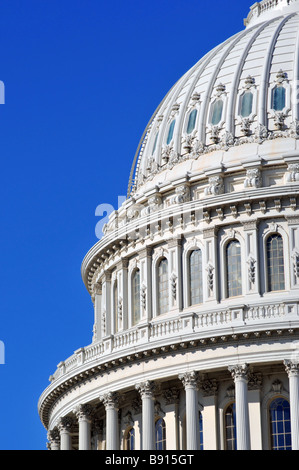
(170,132)
(246,104)
(217,110)
(279,98)
(191,121)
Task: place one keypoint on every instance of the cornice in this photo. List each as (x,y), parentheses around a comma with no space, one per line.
(234,335)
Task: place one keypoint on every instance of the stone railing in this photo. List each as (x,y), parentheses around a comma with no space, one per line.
(264,6)
(186,326)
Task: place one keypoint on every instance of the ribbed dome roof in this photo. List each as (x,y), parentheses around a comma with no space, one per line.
(239,93)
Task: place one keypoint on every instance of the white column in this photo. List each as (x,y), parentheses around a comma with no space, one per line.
(240,376)
(146,390)
(292,369)
(84,416)
(190,382)
(65,428)
(111,403)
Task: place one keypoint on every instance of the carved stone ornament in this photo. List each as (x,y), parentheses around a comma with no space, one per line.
(292,175)
(171,395)
(295,258)
(143,296)
(110,400)
(182,194)
(173,283)
(239,371)
(216,186)
(253,178)
(251,270)
(189,379)
(210,276)
(292,368)
(146,389)
(84,412)
(209,387)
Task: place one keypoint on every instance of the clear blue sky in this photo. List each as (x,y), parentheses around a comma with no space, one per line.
(82,78)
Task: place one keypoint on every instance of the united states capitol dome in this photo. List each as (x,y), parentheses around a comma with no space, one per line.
(243,92)
(194,281)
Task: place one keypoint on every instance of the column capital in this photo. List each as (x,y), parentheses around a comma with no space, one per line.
(110,400)
(239,371)
(65,424)
(292,368)
(84,412)
(190,379)
(146,389)
(54,438)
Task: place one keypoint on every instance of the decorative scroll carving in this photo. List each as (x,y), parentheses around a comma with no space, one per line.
(182,194)
(190,379)
(251,270)
(292,175)
(253,178)
(216,186)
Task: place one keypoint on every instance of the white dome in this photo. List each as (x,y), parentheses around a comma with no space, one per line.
(256,61)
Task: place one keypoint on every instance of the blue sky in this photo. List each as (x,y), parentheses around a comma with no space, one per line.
(82,78)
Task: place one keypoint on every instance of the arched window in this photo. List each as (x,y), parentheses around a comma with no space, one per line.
(136,297)
(115,306)
(246,104)
(230,427)
(195,277)
(280,424)
(163,289)
(170,132)
(130,439)
(160,434)
(275,263)
(217,110)
(233,269)
(200,432)
(192,121)
(279,98)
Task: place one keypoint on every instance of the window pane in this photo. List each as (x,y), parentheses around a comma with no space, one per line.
(246,104)
(280,424)
(130,439)
(195,277)
(279,98)
(170,132)
(160,431)
(275,263)
(191,121)
(163,291)
(230,428)
(136,297)
(217,112)
(200,432)
(234,269)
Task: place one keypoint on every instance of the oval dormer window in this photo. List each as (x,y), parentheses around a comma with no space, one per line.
(246,104)
(170,132)
(192,121)
(217,112)
(279,98)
